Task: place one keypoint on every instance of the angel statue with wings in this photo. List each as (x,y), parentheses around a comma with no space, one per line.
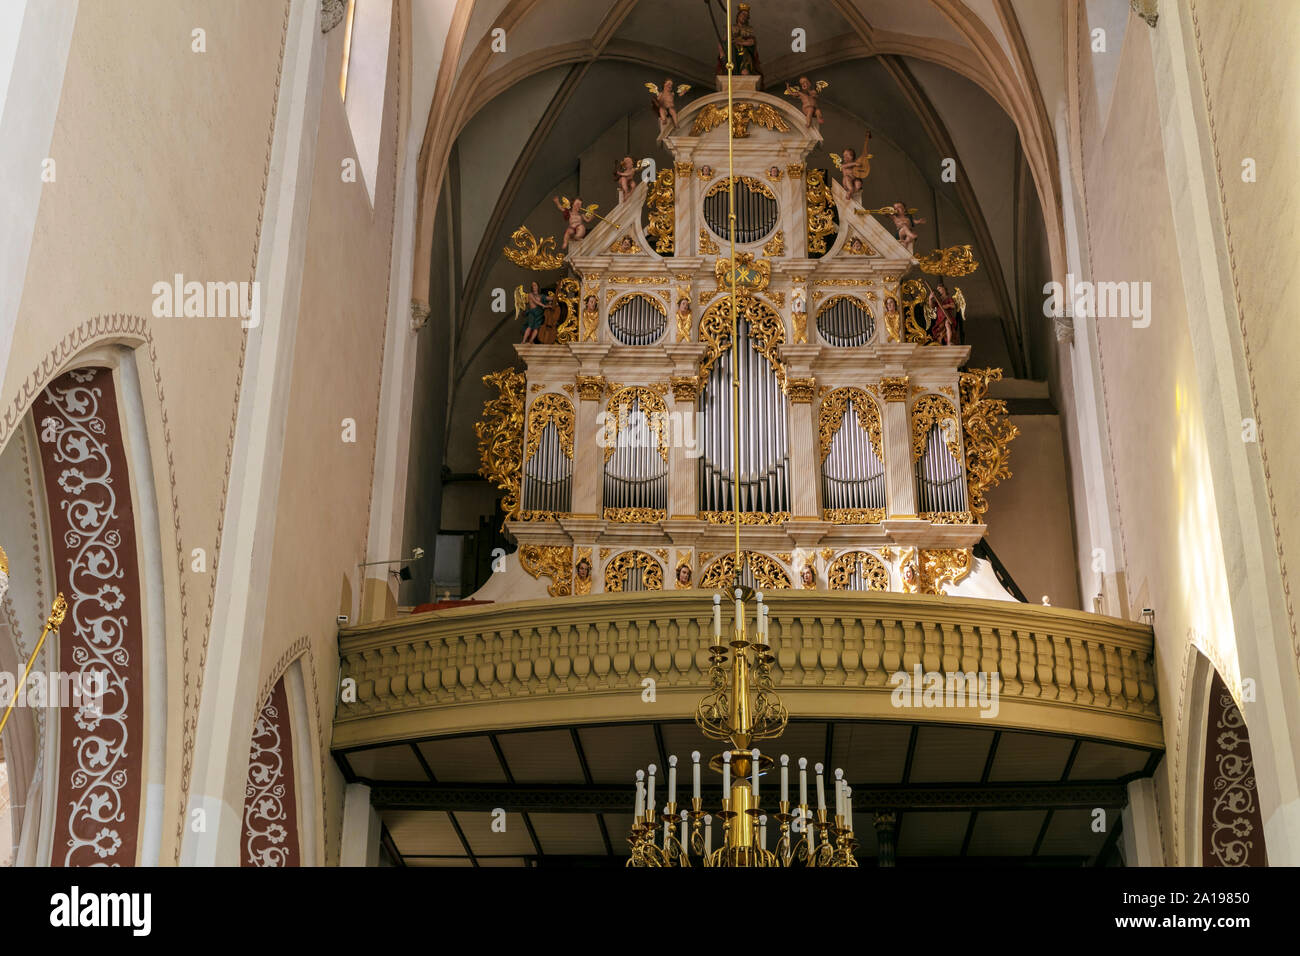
(807,95)
(853,167)
(665,103)
(576,217)
(946,315)
(531,303)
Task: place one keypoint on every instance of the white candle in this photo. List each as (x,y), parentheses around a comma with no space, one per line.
(668,829)
(650,798)
(708,834)
(803,781)
(726,775)
(839,792)
(740,613)
(821,787)
(848,807)
(785,778)
(762,832)
(717,619)
(672,779)
(695,774)
(640,794)
(754,774)
(685,840)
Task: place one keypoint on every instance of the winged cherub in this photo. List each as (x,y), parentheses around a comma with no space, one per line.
(807,95)
(854,167)
(576,217)
(665,103)
(625,176)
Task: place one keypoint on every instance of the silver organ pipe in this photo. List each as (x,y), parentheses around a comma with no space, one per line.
(548,484)
(844,322)
(941,482)
(764,463)
(636,475)
(756,213)
(637,321)
(852,475)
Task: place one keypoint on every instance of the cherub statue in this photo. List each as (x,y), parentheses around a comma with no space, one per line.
(625,176)
(665,103)
(893,320)
(807,95)
(576,217)
(905,224)
(854,167)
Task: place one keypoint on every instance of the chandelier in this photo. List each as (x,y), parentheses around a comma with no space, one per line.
(741,708)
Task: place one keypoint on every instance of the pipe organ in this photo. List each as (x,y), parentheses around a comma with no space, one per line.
(845,321)
(638,319)
(864,453)
(764,442)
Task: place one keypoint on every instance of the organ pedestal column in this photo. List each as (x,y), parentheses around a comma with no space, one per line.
(900,484)
(805,484)
(588,455)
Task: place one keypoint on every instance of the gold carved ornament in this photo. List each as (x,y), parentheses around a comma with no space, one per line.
(955,261)
(652,575)
(766,330)
(768,573)
(500,434)
(617,409)
(840,573)
(634,515)
(550,408)
(532,253)
(927,412)
(832,417)
(741,115)
(947,517)
(913,292)
(746,274)
(988,434)
(659,206)
(568,291)
(746,517)
(707,246)
(620,247)
(626,297)
(554,561)
(892,388)
(935,569)
(776,245)
(590,387)
(686,388)
(821,206)
(801,390)
(749,182)
(853,515)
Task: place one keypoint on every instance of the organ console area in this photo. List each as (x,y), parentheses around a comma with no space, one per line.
(864,450)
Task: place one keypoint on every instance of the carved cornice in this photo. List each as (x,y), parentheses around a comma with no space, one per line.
(801,390)
(590,387)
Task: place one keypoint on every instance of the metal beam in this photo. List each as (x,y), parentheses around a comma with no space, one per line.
(579,798)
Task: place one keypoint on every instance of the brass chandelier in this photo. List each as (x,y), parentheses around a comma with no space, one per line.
(741,708)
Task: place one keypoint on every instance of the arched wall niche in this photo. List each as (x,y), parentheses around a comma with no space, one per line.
(85,419)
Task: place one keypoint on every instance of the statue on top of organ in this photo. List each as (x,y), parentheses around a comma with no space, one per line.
(866,446)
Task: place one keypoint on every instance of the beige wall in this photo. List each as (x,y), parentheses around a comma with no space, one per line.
(162,163)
